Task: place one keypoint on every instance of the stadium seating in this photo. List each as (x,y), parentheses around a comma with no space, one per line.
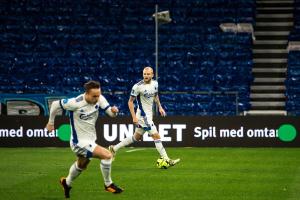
(293,72)
(53,47)
(292,83)
(295,33)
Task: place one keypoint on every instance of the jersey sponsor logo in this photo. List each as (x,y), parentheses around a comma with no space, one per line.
(85,116)
(148,94)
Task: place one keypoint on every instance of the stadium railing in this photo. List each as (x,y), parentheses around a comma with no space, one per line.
(175,103)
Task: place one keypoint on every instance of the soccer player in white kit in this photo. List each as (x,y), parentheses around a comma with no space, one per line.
(84,110)
(145,92)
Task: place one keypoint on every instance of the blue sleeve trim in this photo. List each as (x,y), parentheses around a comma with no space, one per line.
(106,107)
(61,105)
(140,105)
(89,154)
(74,133)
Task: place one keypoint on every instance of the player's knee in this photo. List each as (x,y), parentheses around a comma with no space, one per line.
(156,136)
(82,165)
(107,156)
(137,137)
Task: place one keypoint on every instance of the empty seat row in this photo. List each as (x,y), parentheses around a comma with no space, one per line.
(55,46)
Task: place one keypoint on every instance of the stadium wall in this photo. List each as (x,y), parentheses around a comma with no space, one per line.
(176,131)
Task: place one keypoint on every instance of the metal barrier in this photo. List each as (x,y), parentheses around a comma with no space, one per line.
(42,102)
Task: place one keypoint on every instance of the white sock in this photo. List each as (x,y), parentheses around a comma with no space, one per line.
(125,142)
(161,150)
(105,166)
(74,172)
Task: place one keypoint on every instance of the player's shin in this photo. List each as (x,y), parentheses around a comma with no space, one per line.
(105,166)
(160,148)
(127,141)
(74,172)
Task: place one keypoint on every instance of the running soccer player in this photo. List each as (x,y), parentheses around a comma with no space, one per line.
(145,92)
(84,110)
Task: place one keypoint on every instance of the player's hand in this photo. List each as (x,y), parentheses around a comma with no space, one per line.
(114,109)
(162,112)
(135,121)
(50,127)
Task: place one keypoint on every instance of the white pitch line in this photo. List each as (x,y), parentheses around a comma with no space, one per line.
(132,150)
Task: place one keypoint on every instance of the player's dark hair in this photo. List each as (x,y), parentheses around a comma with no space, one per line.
(91,85)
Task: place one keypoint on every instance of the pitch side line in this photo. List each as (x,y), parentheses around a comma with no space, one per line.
(132,150)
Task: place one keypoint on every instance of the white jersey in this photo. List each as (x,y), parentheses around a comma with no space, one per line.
(83,117)
(145,94)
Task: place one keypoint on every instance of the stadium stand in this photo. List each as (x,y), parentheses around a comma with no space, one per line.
(53,47)
(293,72)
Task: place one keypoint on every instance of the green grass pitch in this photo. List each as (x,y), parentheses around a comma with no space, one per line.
(203,173)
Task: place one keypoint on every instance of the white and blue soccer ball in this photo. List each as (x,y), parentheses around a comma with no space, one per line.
(162,163)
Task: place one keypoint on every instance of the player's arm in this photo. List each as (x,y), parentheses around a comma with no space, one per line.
(63,104)
(131,109)
(55,108)
(133,94)
(112,111)
(104,105)
(160,108)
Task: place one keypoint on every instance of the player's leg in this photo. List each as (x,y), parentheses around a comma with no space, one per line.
(105,165)
(75,170)
(127,141)
(160,148)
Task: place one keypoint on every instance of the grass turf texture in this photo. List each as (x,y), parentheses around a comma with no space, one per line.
(203,173)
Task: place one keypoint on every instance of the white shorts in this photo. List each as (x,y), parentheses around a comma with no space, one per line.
(145,125)
(84,149)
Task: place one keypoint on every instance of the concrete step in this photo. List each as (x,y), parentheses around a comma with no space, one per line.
(268,75)
(274,20)
(270,42)
(274,1)
(269,80)
(269,55)
(275,8)
(270,65)
(271,37)
(267,103)
(267,95)
(272,28)
(269,70)
(265,112)
(267,60)
(274,24)
(267,87)
(269,46)
(269,50)
(273,33)
(274,15)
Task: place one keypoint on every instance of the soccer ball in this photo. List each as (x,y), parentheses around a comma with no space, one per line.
(162,163)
